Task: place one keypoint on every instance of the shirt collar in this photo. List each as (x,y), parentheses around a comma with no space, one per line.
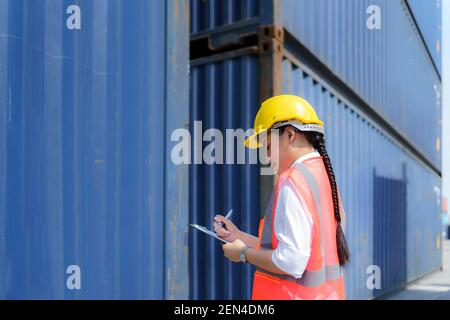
(313,154)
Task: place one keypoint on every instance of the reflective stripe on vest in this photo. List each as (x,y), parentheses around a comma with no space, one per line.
(309,278)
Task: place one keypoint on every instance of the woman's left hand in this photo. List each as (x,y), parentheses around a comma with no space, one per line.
(233,250)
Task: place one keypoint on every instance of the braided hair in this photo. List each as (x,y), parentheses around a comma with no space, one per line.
(317,140)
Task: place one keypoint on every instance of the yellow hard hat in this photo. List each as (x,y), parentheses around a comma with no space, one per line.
(282,110)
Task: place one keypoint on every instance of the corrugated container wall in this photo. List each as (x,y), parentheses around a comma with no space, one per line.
(210,14)
(427,14)
(224,95)
(372,88)
(87,97)
(388,67)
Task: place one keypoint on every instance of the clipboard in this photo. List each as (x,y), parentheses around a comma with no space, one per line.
(208,232)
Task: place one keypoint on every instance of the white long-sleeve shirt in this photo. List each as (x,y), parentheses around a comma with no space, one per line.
(293,228)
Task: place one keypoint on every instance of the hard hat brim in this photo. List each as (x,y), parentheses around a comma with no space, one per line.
(252,141)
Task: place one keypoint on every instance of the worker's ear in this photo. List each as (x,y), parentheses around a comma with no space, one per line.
(290,134)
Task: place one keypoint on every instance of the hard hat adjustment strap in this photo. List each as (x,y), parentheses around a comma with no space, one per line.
(300,126)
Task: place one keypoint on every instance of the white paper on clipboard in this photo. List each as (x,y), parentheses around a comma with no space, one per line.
(208,232)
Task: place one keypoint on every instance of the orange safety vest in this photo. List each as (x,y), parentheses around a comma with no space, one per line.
(323,277)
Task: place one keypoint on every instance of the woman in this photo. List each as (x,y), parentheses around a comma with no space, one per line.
(301,247)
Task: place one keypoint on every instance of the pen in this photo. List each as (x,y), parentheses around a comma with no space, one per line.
(227,216)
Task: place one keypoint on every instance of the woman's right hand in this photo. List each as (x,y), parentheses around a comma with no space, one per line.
(228,231)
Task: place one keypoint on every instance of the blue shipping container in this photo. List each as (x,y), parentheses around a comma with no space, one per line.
(428,16)
(390,194)
(224,95)
(87,97)
(389,68)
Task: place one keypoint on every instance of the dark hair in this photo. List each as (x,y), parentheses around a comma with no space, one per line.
(318,142)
